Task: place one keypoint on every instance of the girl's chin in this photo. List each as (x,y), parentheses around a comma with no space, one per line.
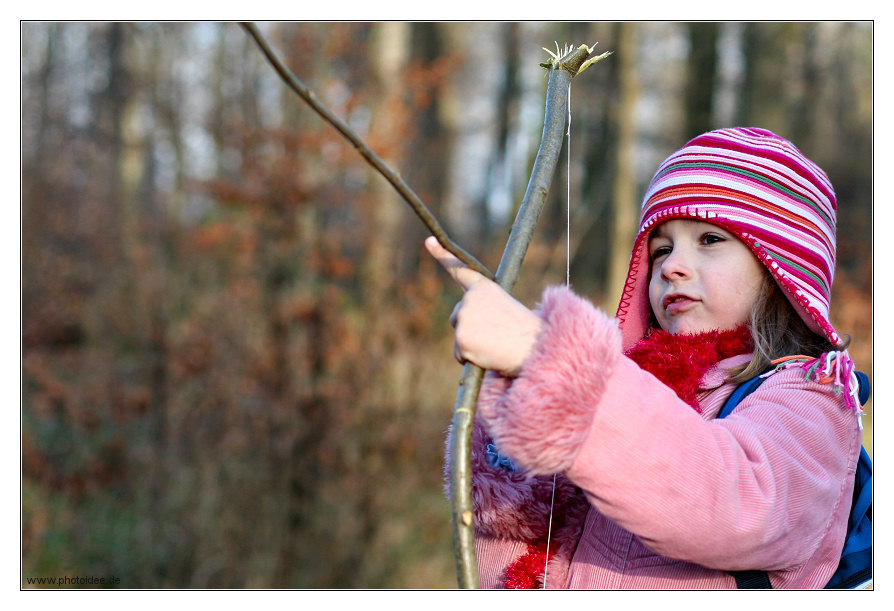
(680,327)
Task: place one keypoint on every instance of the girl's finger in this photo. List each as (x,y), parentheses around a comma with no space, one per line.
(457,354)
(464,276)
(454,314)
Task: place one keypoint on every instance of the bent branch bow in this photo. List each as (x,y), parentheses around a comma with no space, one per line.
(562,66)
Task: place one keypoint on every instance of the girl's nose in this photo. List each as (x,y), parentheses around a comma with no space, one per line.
(676,265)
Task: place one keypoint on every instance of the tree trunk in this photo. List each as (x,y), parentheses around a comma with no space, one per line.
(390,42)
(386,214)
(700,77)
(764,84)
(624,188)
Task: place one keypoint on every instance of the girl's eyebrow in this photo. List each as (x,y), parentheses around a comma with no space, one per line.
(658,232)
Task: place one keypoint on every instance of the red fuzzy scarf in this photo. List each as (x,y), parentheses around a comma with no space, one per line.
(680,361)
(526,573)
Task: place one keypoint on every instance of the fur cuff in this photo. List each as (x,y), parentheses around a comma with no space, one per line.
(511,505)
(541,419)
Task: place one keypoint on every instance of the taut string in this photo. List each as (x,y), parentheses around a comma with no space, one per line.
(552,501)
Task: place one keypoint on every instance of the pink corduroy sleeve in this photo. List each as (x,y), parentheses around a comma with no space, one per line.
(542,419)
(761,489)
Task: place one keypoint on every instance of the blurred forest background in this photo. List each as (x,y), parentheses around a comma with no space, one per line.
(237,369)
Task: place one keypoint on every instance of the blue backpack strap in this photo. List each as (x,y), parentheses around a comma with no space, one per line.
(752,580)
(855,567)
(746,388)
(742,390)
(863,381)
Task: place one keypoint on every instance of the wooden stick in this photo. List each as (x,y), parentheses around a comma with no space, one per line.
(562,70)
(432,223)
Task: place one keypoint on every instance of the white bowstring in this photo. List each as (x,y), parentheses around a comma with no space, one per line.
(549,530)
(568,196)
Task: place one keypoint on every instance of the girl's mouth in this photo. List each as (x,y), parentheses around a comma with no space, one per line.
(677,304)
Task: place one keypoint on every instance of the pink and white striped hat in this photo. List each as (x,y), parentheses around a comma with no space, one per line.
(759,187)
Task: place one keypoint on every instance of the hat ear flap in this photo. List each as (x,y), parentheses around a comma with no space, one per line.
(763,189)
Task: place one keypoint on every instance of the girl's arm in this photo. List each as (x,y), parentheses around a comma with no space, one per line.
(757,490)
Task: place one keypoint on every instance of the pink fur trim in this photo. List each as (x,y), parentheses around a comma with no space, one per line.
(544,416)
(511,504)
(552,403)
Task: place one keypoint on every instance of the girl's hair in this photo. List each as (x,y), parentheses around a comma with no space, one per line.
(762,189)
(777,331)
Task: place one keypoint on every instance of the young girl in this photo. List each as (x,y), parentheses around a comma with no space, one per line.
(730,277)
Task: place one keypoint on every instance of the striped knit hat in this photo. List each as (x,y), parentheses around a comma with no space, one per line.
(762,189)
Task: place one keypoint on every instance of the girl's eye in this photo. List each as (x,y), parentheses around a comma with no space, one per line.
(661,251)
(712,238)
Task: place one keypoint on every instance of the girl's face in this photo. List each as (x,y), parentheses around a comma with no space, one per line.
(703,277)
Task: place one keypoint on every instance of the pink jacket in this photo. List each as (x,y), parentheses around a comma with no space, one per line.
(652,494)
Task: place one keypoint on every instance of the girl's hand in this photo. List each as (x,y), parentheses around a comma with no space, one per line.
(493,330)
